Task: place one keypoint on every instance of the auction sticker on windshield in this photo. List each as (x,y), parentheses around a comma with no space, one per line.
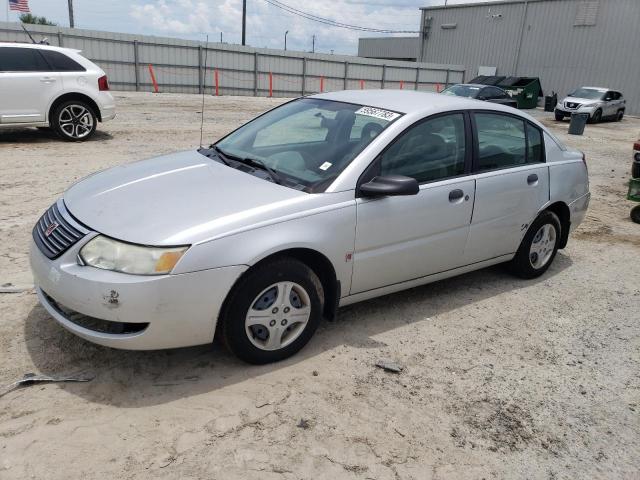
(378,113)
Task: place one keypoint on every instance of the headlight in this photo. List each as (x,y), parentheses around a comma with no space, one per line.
(109,254)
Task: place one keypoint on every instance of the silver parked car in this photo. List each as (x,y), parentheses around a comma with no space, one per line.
(599,103)
(321,202)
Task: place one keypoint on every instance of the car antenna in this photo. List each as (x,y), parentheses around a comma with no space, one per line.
(204,83)
(27,32)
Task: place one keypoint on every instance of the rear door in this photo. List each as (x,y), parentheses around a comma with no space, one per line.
(408,237)
(512,183)
(27,85)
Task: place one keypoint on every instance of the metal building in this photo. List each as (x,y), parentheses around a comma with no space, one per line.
(567,43)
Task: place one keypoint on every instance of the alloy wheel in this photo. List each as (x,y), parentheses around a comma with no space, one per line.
(76,121)
(542,246)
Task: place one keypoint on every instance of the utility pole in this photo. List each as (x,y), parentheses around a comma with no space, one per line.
(313,44)
(71,22)
(244,22)
(220,37)
(285,40)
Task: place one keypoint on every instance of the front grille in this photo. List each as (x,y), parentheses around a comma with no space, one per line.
(95,324)
(54,233)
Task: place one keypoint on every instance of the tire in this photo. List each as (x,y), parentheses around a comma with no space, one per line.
(619,115)
(275,335)
(74,121)
(635,214)
(597,117)
(559,117)
(525,264)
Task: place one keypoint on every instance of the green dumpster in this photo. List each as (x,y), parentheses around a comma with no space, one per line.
(526,90)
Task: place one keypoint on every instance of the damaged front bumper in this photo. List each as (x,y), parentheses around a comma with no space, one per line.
(133,312)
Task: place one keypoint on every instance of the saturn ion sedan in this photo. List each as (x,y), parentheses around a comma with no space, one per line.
(321,202)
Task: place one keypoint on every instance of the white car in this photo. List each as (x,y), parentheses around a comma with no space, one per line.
(44,86)
(597,102)
(324,201)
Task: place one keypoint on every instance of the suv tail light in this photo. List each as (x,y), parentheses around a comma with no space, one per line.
(103,83)
(636,146)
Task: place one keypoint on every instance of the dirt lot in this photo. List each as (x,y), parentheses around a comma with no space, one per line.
(503,378)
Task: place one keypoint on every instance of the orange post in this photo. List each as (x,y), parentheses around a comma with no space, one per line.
(321,84)
(215,75)
(438,87)
(270,84)
(361,84)
(153,79)
(401,85)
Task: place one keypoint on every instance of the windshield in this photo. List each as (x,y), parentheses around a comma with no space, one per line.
(307,142)
(590,93)
(462,91)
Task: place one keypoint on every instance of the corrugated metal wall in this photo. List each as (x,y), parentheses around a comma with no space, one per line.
(179,65)
(405,48)
(538,38)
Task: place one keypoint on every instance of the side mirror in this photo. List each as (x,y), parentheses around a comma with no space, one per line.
(390,185)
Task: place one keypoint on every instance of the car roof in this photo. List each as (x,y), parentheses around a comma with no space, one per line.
(37,45)
(480,85)
(406,101)
(599,89)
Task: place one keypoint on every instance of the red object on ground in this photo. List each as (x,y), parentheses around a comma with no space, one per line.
(215,74)
(321,84)
(270,84)
(153,79)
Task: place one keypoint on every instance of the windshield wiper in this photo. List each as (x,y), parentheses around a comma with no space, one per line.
(221,155)
(256,162)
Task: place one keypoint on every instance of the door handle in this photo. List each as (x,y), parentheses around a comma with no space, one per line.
(532,179)
(47,79)
(455,195)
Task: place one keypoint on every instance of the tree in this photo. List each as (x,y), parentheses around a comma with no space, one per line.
(35,20)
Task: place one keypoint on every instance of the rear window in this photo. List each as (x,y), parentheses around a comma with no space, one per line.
(17,59)
(61,63)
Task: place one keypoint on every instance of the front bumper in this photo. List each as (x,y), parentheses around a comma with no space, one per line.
(567,111)
(179,310)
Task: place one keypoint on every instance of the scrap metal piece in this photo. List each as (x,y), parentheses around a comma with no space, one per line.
(389,366)
(33,379)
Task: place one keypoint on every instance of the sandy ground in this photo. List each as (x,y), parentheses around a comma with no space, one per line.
(503,378)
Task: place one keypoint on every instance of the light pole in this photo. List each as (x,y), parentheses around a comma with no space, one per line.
(313,44)
(285,40)
(71,22)
(244,22)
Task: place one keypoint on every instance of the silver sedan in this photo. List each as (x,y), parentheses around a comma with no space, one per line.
(321,202)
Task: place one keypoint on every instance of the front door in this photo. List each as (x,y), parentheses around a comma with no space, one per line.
(27,85)
(512,184)
(408,237)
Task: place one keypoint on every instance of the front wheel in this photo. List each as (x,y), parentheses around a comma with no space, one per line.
(273,311)
(619,115)
(635,214)
(74,121)
(538,248)
(559,117)
(597,117)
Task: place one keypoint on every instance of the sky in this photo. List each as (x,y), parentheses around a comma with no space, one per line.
(266,24)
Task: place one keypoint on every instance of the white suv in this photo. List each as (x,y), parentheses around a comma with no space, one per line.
(44,86)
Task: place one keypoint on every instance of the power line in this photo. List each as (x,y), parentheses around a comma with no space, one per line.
(333,23)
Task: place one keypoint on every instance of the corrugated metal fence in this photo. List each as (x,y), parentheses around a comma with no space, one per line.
(185,66)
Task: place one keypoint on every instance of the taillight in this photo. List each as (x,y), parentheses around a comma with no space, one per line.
(636,146)
(103,83)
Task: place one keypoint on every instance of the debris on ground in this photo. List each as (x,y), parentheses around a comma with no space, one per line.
(32,379)
(304,424)
(389,366)
(11,288)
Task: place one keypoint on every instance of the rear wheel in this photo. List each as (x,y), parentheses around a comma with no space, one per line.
(635,214)
(74,121)
(538,247)
(273,311)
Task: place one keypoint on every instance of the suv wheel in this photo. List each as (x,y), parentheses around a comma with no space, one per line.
(619,115)
(273,311)
(559,117)
(597,116)
(538,248)
(74,121)
(635,214)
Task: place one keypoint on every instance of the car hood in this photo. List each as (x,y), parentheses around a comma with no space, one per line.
(177,199)
(582,101)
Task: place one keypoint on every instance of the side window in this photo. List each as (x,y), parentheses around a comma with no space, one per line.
(431,150)
(501,141)
(16,59)
(61,63)
(534,139)
(491,93)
